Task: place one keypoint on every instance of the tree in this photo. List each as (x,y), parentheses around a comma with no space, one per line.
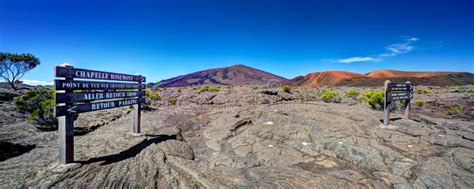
(14,66)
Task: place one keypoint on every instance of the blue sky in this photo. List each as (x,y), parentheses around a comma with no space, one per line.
(166,38)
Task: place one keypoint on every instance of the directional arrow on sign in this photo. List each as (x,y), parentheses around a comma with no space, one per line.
(72,109)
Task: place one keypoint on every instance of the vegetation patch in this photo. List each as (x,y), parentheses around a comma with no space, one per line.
(39,104)
(173,100)
(209,88)
(363,99)
(287,89)
(152,95)
(420,103)
(453,110)
(156,88)
(375,99)
(331,96)
(352,93)
(424,91)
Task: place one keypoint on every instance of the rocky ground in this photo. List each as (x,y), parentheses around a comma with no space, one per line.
(246,137)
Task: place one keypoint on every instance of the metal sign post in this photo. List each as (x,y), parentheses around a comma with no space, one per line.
(408,103)
(93,96)
(66,132)
(394,92)
(386,105)
(136,126)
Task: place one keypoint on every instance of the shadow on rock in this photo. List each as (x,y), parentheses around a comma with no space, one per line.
(9,150)
(131,152)
(392,119)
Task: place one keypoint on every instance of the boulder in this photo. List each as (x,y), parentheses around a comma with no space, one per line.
(7,95)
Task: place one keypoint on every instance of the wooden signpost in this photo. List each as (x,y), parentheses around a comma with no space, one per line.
(394,92)
(92,96)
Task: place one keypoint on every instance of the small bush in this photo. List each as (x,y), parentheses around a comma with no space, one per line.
(369,94)
(454,110)
(331,96)
(152,95)
(179,90)
(209,89)
(306,130)
(470,91)
(424,91)
(156,88)
(39,104)
(352,93)
(173,100)
(363,99)
(214,88)
(287,89)
(420,103)
(375,99)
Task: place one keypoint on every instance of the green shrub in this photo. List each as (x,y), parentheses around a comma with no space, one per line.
(470,90)
(420,103)
(306,130)
(363,99)
(156,88)
(331,96)
(152,95)
(454,110)
(39,104)
(214,88)
(424,91)
(209,88)
(287,89)
(375,99)
(369,94)
(352,93)
(173,100)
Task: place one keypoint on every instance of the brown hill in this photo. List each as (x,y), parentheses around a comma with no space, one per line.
(233,75)
(378,77)
(244,75)
(451,79)
(395,73)
(329,78)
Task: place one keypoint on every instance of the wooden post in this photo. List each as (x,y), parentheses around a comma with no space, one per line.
(137,114)
(408,106)
(386,105)
(66,133)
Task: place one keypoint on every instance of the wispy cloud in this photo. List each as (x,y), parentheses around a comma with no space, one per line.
(36,82)
(391,50)
(412,39)
(355,59)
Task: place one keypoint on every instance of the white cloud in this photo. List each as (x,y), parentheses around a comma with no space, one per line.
(37,82)
(396,49)
(414,39)
(400,48)
(391,50)
(355,59)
